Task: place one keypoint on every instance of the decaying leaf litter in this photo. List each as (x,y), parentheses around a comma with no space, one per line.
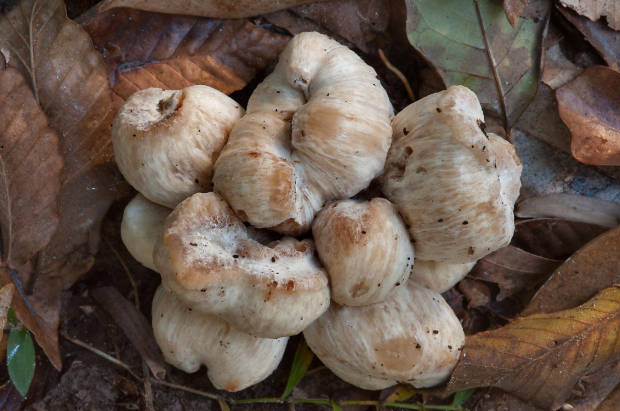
(134,58)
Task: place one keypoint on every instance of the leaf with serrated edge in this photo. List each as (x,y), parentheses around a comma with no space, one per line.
(301,362)
(590,107)
(30,166)
(592,268)
(173,52)
(70,81)
(449,34)
(539,358)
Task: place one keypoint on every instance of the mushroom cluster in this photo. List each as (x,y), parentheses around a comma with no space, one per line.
(250,220)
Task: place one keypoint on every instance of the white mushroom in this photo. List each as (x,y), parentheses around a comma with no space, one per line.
(365,248)
(317,129)
(454,186)
(143,222)
(188,339)
(207,260)
(412,337)
(166,141)
(439,276)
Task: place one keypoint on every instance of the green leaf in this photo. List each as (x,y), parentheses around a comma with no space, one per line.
(461,396)
(453,35)
(336,407)
(11,318)
(20,359)
(301,362)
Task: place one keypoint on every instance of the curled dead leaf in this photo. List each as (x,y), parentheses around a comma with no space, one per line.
(173,52)
(590,107)
(595,9)
(539,358)
(558,70)
(30,166)
(592,268)
(513,9)
(570,207)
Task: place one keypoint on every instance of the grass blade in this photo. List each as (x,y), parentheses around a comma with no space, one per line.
(20,359)
(301,362)
(461,396)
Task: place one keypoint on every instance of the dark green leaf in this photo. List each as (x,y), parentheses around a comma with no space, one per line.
(20,359)
(471,43)
(11,318)
(461,396)
(301,362)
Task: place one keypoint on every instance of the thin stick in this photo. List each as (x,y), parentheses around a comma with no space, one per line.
(101,353)
(184,388)
(317,369)
(398,73)
(131,279)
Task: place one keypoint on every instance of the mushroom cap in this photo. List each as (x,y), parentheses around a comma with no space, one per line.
(317,129)
(365,248)
(444,174)
(166,141)
(412,337)
(143,222)
(439,276)
(206,258)
(188,339)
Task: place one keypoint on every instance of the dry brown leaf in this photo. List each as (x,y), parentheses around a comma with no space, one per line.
(206,8)
(6,295)
(173,52)
(558,70)
(593,389)
(498,400)
(570,207)
(590,107)
(595,9)
(513,9)
(136,327)
(70,81)
(598,34)
(592,268)
(477,293)
(30,166)
(540,358)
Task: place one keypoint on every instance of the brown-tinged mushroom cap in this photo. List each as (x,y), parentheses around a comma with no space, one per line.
(454,185)
(188,339)
(317,129)
(166,141)
(207,260)
(439,276)
(412,337)
(365,248)
(143,222)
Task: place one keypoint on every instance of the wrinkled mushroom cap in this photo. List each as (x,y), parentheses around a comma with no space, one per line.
(143,222)
(317,129)
(454,185)
(412,337)
(365,248)
(188,339)
(207,259)
(166,141)
(438,276)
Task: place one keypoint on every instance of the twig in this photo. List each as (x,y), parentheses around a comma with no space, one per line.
(184,388)
(398,73)
(131,279)
(317,369)
(494,70)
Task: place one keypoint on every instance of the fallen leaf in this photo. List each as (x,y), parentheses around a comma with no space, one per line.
(554,238)
(30,166)
(595,9)
(136,327)
(20,359)
(593,389)
(206,8)
(570,207)
(70,81)
(611,402)
(558,70)
(399,393)
(598,34)
(498,400)
(6,295)
(540,358)
(513,10)
(592,268)
(173,52)
(590,107)
(477,293)
(471,43)
(357,22)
